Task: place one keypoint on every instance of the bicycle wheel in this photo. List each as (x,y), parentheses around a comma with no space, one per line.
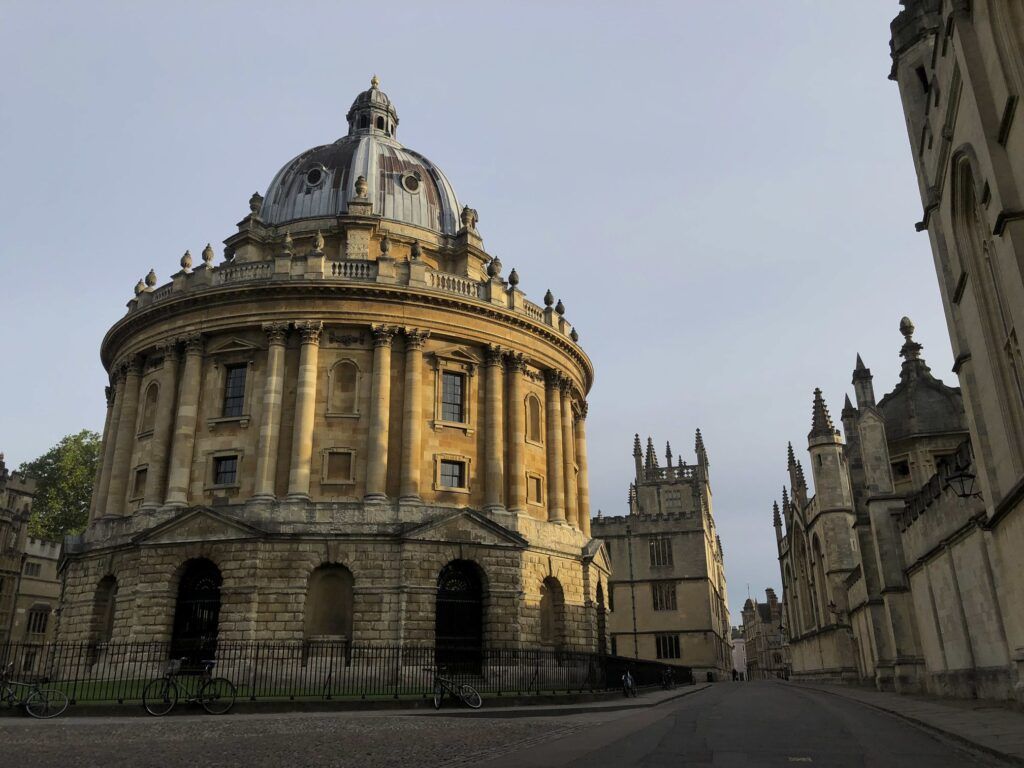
(46,702)
(438,695)
(160,696)
(217,695)
(470,697)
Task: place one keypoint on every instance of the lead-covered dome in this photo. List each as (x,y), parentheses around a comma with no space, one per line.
(401,184)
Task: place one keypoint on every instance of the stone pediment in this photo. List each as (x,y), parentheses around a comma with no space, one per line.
(465,526)
(597,551)
(233,345)
(456,353)
(201,524)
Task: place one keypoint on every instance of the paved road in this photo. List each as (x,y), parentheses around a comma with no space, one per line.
(753,724)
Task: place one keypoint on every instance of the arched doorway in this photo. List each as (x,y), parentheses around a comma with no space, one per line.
(197,613)
(552,614)
(459,622)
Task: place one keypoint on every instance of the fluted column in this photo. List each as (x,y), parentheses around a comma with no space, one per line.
(305,410)
(412,417)
(516,433)
(568,455)
(163,429)
(125,437)
(583,478)
(184,439)
(494,447)
(553,418)
(102,483)
(270,425)
(380,415)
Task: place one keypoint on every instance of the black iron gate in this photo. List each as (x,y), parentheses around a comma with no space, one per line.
(197,614)
(459,625)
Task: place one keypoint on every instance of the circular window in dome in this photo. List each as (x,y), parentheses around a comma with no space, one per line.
(314,176)
(411,182)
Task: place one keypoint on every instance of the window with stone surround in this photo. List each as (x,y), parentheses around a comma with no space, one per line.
(329,603)
(453,474)
(139,482)
(234,390)
(534,489)
(149,405)
(453,397)
(38,618)
(454,389)
(338,466)
(661,551)
(664,596)
(33,569)
(225,470)
(534,420)
(667,646)
(343,388)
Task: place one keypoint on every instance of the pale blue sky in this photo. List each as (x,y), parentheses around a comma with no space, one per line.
(722,194)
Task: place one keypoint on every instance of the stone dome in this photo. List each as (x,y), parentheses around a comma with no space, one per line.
(402,185)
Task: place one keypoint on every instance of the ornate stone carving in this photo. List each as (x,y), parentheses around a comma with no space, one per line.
(552,379)
(469,218)
(493,355)
(382,335)
(385,245)
(276,332)
(565,384)
(581,409)
(318,243)
(346,339)
(193,343)
(361,186)
(110,393)
(574,335)
(310,331)
(494,267)
(255,203)
(131,364)
(415,338)
(415,252)
(168,349)
(516,362)
(287,245)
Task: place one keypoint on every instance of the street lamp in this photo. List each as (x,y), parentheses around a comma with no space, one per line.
(962,483)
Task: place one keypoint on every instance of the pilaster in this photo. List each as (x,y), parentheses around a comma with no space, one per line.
(270,428)
(380,416)
(125,437)
(553,418)
(515,366)
(163,428)
(183,442)
(305,409)
(494,430)
(568,454)
(412,424)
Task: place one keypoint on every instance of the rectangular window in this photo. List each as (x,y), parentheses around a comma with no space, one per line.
(139,483)
(234,390)
(453,474)
(664,596)
(33,569)
(37,622)
(225,470)
(453,397)
(339,467)
(667,646)
(661,552)
(535,488)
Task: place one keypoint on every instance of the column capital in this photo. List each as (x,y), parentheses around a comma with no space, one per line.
(168,348)
(580,409)
(310,331)
(565,384)
(276,332)
(193,343)
(131,364)
(382,335)
(493,354)
(553,379)
(415,338)
(516,362)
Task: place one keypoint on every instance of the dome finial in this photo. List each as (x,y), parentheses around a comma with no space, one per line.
(375,82)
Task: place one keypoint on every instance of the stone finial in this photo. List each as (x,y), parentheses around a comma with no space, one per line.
(318,243)
(375,82)
(385,245)
(560,308)
(186,261)
(668,453)
(911,350)
(255,203)
(208,255)
(776,517)
(848,410)
(821,420)
(790,456)
(651,459)
(151,279)
(860,371)
(785,498)
(415,252)
(494,267)
(574,335)
(469,218)
(549,298)
(140,287)
(513,278)
(636,445)
(361,186)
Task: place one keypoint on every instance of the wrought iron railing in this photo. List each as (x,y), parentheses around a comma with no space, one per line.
(326,670)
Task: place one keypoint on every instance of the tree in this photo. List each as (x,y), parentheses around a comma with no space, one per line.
(64,477)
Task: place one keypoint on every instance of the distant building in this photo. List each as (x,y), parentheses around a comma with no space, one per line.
(766,653)
(29,585)
(667,591)
(739,650)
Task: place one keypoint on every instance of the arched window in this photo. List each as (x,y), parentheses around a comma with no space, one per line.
(149,408)
(380,122)
(459,618)
(552,613)
(821,588)
(344,381)
(364,121)
(534,419)
(104,609)
(329,603)
(197,611)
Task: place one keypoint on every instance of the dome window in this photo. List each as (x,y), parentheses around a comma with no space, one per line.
(411,182)
(314,176)
(380,122)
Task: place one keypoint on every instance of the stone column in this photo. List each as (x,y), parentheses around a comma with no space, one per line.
(380,414)
(516,433)
(583,478)
(270,426)
(568,455)
(102,482)
(412,418)
(125,437)
(163,429)
(305,410)
(494,444)
(185,422)
(553,418)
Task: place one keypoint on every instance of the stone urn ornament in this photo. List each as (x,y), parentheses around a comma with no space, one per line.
(208,255)
(186,261)
(361,187)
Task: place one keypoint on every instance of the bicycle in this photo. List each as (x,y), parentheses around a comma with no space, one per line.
(629,685)
(465,693)
(216,694)
(42,703)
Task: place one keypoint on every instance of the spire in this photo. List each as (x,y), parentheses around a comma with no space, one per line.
(849,412)
(801,482)
(668,453)
(636,445)
(776,517)
(698,444)
(821,421)
(863,389)
(651,460)
(790,457)
(785,498)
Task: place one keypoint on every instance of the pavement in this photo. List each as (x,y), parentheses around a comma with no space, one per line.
(722,725)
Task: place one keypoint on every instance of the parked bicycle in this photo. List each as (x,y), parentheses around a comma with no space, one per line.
(668,680)
(215,694)
(628,684)
(464,692)
(43,703)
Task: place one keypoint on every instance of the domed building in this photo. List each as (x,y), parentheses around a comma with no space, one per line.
(354,427)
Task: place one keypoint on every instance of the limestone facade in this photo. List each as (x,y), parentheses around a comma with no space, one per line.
(29,582)
(351,414)
(766,651)
(667,594)
(959,67)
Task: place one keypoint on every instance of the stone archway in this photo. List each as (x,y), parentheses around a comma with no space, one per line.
(197,611)
(459,618)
